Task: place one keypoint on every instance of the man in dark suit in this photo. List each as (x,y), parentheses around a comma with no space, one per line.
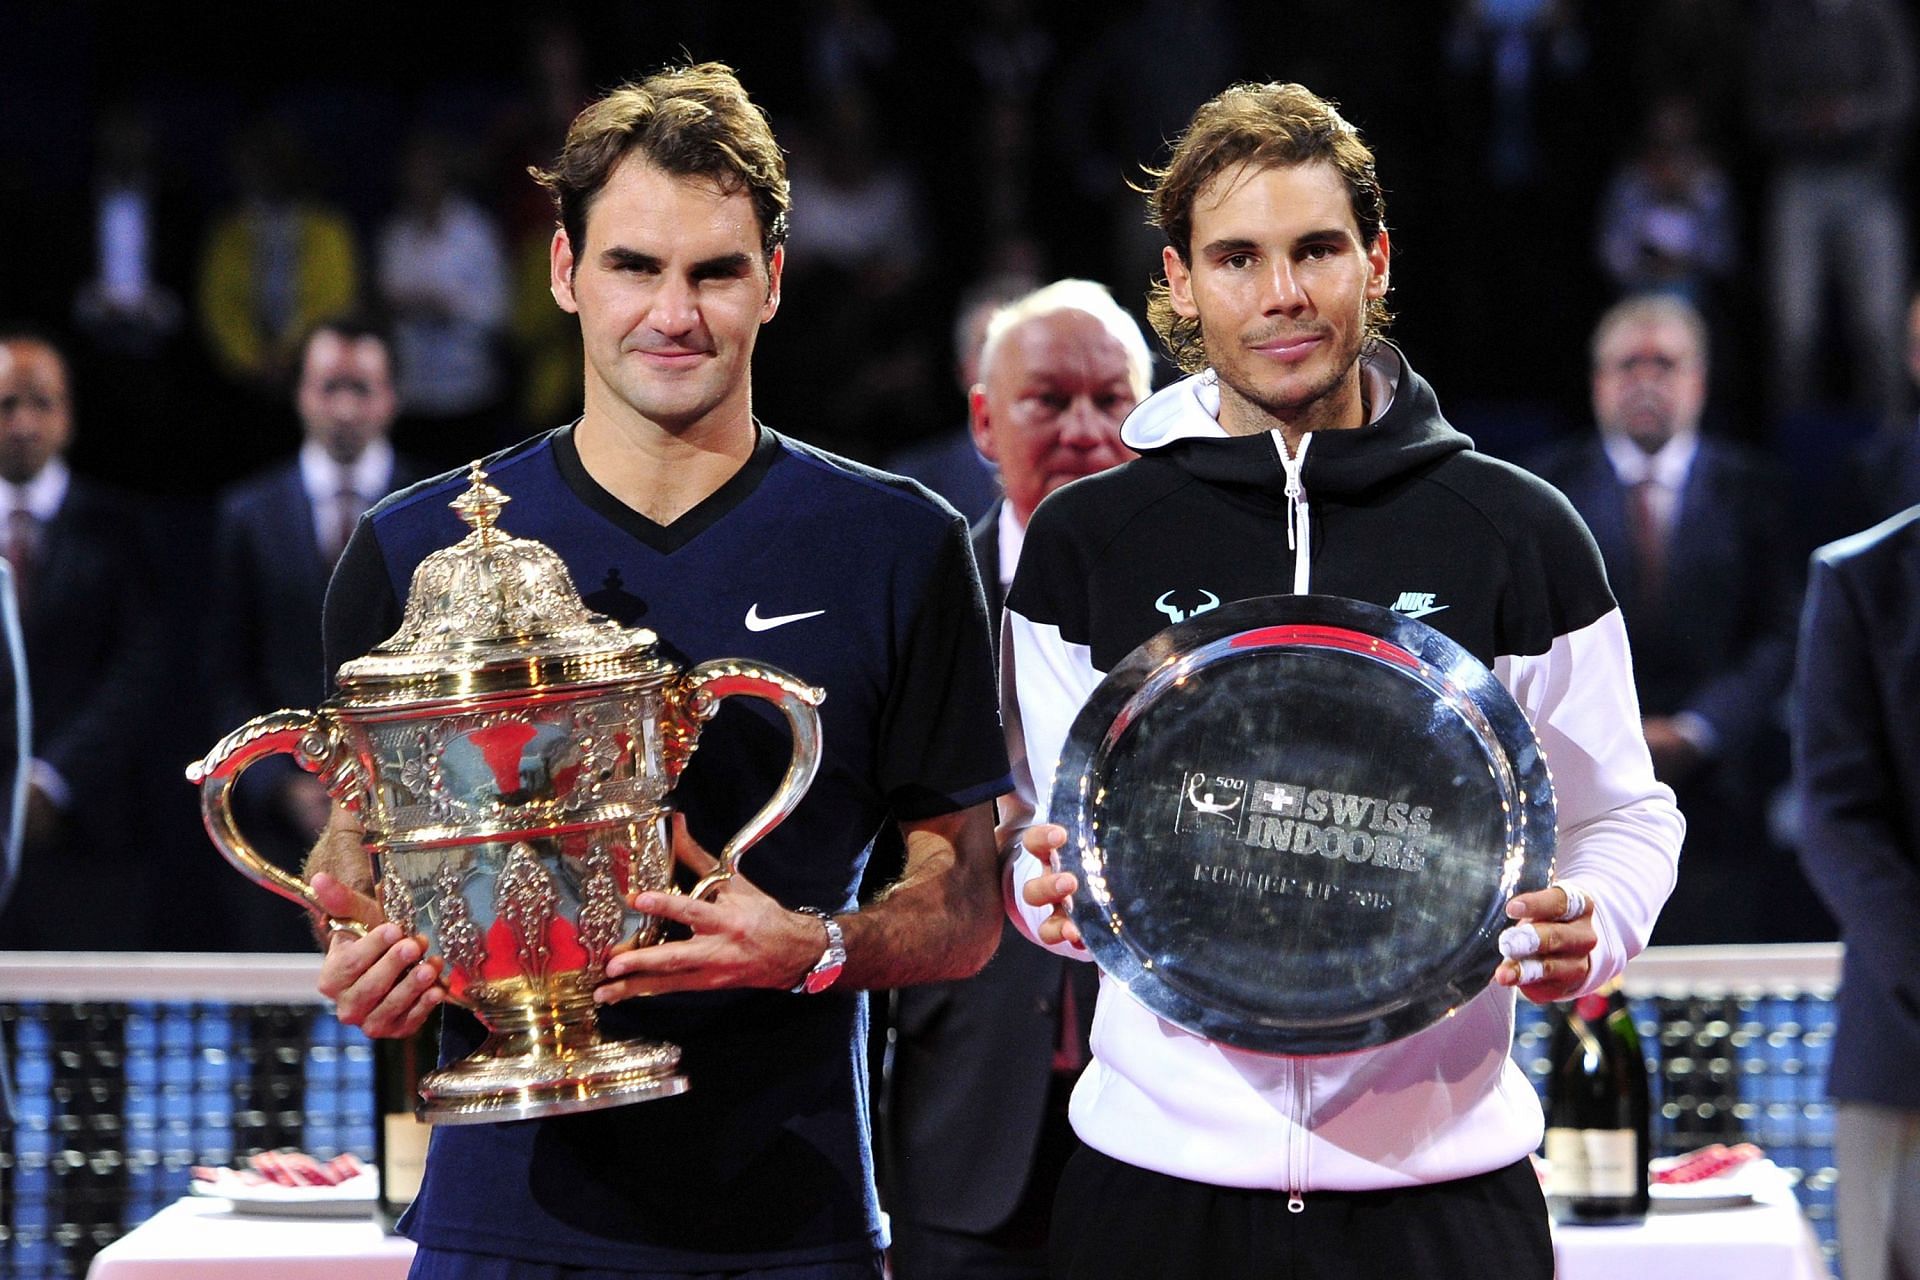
(1059,372)
(1881,477)
(94,661)
(279,535)
(1857,763)
(1703,560)
(93,652)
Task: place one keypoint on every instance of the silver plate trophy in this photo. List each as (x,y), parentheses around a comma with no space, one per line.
(1296,822)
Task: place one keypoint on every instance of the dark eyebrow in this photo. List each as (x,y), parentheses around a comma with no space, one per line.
(1329,235)
(1227,248)
(728,264)
(629,259)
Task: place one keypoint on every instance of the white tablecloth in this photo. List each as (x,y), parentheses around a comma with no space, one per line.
(204,1239)
(1767,1240)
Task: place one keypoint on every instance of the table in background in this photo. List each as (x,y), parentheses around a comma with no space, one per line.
(1769,1239)
(201,1238)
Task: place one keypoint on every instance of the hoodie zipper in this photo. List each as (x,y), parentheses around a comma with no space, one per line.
(1297,1086)
(1299,519)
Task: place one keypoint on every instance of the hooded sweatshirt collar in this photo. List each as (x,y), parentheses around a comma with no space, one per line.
(1181,424)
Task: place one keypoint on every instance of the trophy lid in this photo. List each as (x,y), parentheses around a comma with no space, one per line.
(495,614)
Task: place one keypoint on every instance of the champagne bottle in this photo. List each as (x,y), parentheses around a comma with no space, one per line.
(400,1136)
(1598,1112)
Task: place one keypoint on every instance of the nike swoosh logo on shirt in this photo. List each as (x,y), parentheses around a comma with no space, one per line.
(757,623)
(1423,610)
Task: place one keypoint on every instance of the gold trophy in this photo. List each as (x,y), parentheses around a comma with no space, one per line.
(509,755)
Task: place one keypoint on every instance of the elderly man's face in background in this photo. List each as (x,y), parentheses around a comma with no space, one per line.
(35,417)
(1049,405)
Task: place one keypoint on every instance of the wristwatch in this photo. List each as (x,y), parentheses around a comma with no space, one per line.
(826,970)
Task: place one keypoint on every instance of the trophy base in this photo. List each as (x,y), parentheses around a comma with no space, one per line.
(548,1069)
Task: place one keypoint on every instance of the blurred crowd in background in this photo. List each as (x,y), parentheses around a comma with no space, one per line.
(183,196)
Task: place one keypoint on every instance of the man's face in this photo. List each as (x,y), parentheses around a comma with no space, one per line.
(1050,405)
(1649,381)
(346,395)
(1280,281)
(671,289)
(35,423)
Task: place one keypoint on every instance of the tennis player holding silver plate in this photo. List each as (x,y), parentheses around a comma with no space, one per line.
(1298,821)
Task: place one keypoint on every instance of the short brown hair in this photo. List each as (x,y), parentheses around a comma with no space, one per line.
(691,121)
(1265,126)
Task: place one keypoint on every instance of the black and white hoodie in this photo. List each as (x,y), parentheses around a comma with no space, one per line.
(1403,514)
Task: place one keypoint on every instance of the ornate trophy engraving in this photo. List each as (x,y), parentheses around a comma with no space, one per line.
(509,755)
(1296,822)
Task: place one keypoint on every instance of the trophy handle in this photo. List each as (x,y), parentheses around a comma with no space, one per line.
(700,692)
(308,737)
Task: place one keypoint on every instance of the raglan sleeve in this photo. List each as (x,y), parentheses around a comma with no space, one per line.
(940,743)
(1571,671)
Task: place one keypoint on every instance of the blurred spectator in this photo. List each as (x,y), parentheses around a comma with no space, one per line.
(274,264)
(1881,478)
(88,879)
(545,340)
(863,215)
(1831,83)
(1694,532)
(1061,369)
(125,307)
(852,348)
(1123,93)
(1517,49)
(1667,223)
(443,280)
(948,463)
(93,651)
(1685,48)
(1007,57)
(131,348)
(851,49)
(279,535)
(1857,762)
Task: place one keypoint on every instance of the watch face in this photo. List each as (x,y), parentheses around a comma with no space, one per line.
(820,979)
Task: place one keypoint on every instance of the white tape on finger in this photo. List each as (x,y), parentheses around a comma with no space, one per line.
(1519,941)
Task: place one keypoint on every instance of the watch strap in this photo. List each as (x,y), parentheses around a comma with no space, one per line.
(826,970)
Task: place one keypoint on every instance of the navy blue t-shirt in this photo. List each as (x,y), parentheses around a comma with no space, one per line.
(765,1160)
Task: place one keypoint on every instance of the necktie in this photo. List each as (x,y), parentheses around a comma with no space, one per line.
(23,543)
(1079,994)
(347,507)
(1649,539)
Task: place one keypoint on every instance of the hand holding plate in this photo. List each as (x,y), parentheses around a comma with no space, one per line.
(1546,953)
(1053,890)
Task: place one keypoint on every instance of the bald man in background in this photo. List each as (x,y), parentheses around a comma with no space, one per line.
(1059,372)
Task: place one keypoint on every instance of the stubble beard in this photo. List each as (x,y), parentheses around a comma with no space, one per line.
(1319,406)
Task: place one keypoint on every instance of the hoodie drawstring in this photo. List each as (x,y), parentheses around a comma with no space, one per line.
(1299,521)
